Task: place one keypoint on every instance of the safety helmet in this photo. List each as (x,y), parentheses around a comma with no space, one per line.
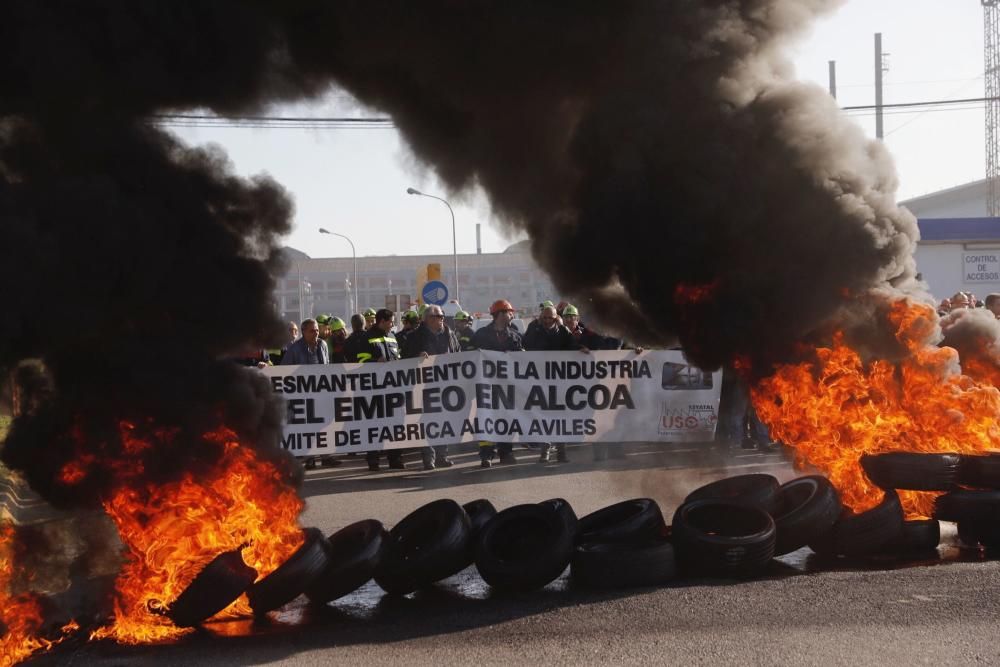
(369,312)
(546,304)
(570,309)
(323,319)
(421,310)
(336,324)
(411,316)
(462,316)
(500,305)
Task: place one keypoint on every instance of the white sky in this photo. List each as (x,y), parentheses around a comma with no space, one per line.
(354,181)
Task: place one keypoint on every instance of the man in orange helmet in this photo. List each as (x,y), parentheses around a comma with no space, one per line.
(501,337)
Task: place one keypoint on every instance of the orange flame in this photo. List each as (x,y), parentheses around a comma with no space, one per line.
(173,530)
(837,409)
(21,614)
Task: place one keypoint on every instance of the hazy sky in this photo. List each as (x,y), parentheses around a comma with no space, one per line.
(354,181)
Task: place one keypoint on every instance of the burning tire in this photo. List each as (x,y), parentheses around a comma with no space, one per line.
(916,537)
(754,489)
(723,538)
(914,472)
(981,472)
(354,554)
(809,508)
(216,587)
(293,577)
(865,533)
(968,506)
(525,547)
(617,565)
(637,521)
(429,544)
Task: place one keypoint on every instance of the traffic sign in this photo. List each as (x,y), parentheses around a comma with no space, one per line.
(435,292)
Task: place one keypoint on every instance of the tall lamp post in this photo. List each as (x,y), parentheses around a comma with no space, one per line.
(354,254)
(454,243)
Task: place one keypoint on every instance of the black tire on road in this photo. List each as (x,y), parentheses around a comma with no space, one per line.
(980,472)
(479,511)
(216,587)
(355,552)
(721,538)
(635,521)
(620,565)
(809,507)
(754,489)
(917,537)
(524,547)
(973,506)
(429,544)
(565,511)
(866,533)
(293,577)
(911,471)
(976,534)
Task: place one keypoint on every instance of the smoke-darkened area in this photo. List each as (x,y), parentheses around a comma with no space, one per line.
(659,154)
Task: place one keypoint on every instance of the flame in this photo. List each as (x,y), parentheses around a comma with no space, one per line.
(687,294)
(173,530)
(838,407)
(20,614)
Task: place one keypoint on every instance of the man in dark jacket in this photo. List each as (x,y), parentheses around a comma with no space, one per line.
(464,330)
(309,349)
(380,346)
(356,342)
(431,338)
(501,337)
(410,322)
(550,336)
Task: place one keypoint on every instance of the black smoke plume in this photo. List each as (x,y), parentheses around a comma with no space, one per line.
(661,157)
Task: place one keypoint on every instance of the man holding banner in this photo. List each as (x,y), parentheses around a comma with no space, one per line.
(430,339)
(501,337)
(382,347)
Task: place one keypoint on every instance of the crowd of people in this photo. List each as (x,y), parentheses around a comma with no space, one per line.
(963,300)
(424,332)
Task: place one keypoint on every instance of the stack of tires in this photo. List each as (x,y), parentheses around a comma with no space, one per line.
(735,526)
(624,545)
(976,506)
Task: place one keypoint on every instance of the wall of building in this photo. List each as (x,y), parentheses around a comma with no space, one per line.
(945,270)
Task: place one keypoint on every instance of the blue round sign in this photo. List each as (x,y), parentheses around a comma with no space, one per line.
(435,293)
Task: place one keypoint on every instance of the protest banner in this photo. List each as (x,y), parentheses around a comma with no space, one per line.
(609,396)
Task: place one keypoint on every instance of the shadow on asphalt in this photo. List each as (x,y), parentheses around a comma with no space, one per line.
(353,475)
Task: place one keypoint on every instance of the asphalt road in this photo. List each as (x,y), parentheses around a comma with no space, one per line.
(940,611)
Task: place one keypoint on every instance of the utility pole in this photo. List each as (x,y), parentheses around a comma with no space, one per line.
(991,49)
(833,79)
(879,69)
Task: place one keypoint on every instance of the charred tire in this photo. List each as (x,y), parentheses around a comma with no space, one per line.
(976,534)
(809,508)
(618,565)
(524,547)
(982,472)
(754,489)
(866,533)
(564,510)
(637,521)
(722,538)
(217,586)
(972,506)
(355,552)
(293,577)
(429,544)
(914,472)
(917,536)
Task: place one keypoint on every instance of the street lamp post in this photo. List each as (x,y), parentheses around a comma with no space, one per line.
(454,243)
(354,254)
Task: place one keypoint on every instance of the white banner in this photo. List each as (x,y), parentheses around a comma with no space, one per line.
(610,396)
